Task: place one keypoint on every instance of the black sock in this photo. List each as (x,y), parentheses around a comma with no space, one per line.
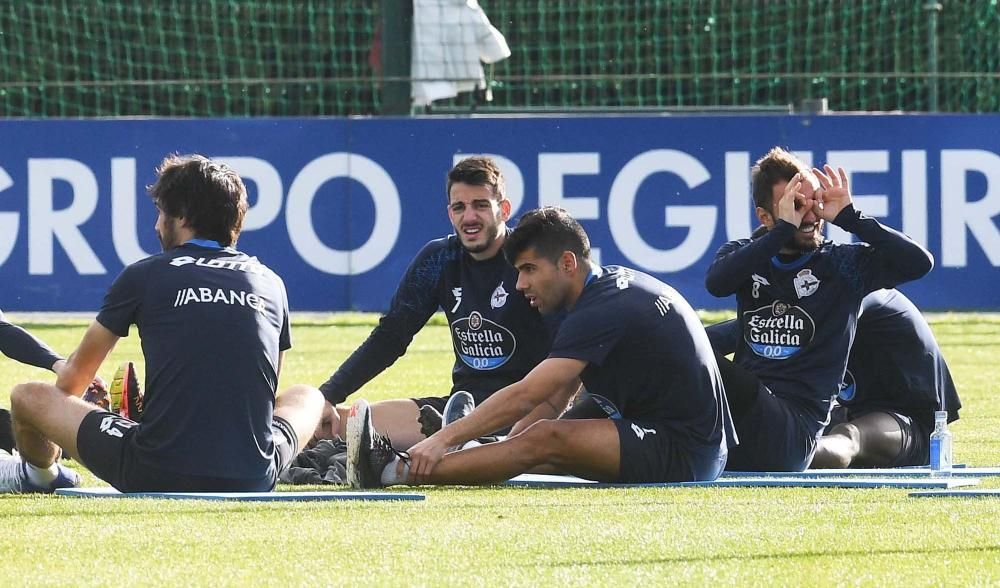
(6,431)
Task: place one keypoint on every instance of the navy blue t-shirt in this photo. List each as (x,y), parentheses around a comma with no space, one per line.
(212,322)
(895,363)
(647,352)
(798,316)
(497,336)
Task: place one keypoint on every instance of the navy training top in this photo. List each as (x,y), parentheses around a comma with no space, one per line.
(895,363)
(497,336)
(647,352)
(212,322)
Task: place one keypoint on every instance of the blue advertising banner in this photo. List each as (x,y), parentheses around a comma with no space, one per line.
(340,206)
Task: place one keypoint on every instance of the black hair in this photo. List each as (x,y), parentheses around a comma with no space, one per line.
(778,165)
(549,231)
(208,195)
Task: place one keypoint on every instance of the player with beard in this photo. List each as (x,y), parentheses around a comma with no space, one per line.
(213,323)
(798,298)
(497,336)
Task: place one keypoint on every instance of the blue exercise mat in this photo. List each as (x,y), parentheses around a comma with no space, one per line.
(986,493)
(107,492)
(554,481)
(965,472)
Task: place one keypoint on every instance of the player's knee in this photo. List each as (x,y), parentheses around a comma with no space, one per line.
(850,432)
(544,440)
(24,398)
(305,397)
(843,443)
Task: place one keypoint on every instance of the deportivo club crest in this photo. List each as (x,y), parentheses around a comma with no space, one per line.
(499,297)
(805,283)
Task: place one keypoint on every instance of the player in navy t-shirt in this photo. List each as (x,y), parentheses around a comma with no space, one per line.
(630,338)
(214,326)
(896,378)
(797,303)
(497,337)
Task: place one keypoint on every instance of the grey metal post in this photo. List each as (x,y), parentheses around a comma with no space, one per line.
(397,28)
(932,8)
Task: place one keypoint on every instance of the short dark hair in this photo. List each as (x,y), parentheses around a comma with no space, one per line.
(549,231)
(778,165)
(477,171)
(208,195)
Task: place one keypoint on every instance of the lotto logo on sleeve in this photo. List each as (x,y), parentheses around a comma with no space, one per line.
(778,331)
(481,343)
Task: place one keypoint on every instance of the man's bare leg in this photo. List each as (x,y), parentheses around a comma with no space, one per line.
(396,418)
(302,407)
(585,448)
(46,418)
(871,440)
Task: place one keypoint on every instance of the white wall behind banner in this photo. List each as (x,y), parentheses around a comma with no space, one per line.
(340,206)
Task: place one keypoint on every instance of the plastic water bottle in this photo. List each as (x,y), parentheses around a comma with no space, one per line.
(940,446)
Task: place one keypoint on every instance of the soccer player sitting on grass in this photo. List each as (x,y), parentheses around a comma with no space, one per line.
(496,335)
(798,298)
(629,337)
(896,378)
(22,346)
(214,326)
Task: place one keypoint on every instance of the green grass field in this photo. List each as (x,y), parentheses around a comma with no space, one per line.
(499,536)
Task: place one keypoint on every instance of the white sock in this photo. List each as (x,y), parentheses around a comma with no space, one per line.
(41,477)
(389,476)
(470,444)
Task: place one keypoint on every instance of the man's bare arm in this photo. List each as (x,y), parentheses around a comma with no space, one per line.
(551,408)
(82,365)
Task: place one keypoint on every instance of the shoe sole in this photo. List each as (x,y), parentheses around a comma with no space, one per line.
(462,397)
(450,405)
(355,427)
(118,391)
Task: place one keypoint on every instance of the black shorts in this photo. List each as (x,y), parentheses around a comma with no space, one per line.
(915,447)
(774,436)
(649,453)
(105,443)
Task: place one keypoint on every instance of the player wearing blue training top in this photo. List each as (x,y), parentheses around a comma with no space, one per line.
(496,335)
(797,303)
(630,338)
(896,378)
(214,326)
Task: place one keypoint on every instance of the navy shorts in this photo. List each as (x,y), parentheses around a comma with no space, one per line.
(650,453)
(105,443)
(774,437)
(915,447)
